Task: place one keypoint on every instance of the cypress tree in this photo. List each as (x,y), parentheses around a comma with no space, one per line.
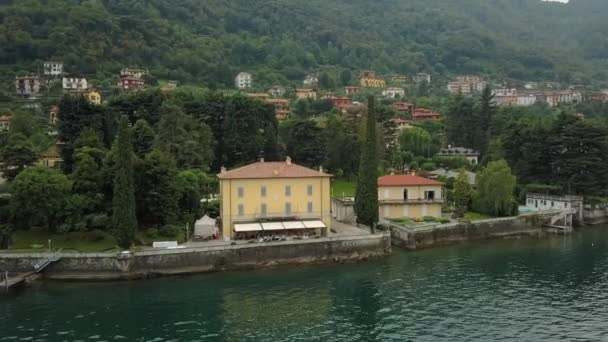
(123,202)
(366,197)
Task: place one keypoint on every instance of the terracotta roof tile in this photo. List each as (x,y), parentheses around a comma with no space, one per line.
(400,180)
(271,170)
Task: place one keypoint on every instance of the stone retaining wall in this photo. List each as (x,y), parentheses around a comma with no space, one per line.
(204,259)
(596,214)
(445,234)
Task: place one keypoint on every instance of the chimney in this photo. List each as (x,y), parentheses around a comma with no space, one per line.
(321,169)
(288,160)
(261,159)
(223,170)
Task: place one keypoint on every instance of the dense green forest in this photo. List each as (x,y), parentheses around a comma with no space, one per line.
(208,42)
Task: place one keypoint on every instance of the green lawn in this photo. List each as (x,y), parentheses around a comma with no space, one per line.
(343,187)
(473,216)
(36,239)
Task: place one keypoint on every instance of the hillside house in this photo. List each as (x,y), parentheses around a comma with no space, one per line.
(93,96)
(468,153)
(53,113)
(131,83)
(399,78)
(393,93)
(409,196)
(27,85)
(311,80)
(403,107)
(274,197)
(53,69)
(133,73)
(281,108)
(5,122)
(341,101)
(466,85)
(328,95)
(351,90)
(306,93)
(277,91)
(169,86)
(243,80)
(421,77)
(401,124)
(599,96)
(555,202)
(50,158)
(74,83)
(260,96)
(369,79)
(421,114)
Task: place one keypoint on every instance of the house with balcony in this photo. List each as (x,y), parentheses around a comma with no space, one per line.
(599,96)
(409,196)
(5,122)
(281,108)
(369,79)
(421,114)
(311,80)
(468,153)
(421,77)
(403,107)
(341,101)
(274,197)
(466,85)
(277,91)
(27,85)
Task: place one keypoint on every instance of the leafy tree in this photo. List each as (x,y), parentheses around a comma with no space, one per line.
(416,140)
(157,193)
(345,77)
(192,186)
(39,195)
(342,146)
(461,122)
(305,143)
(462,194)
(484,120)
(143,138)
(123,201)
(366,197)
(326,81)
(16,155)
(495,188)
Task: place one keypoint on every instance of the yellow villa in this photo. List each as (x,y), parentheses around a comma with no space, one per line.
(409,196)
(93,96)
(274,198)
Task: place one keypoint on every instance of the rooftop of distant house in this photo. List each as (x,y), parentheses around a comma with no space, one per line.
(406,180)
(264,170)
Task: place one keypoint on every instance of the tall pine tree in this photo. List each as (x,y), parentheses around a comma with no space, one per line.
(366,197)
(123,202)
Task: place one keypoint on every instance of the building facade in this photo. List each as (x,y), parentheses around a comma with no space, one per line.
(306,93)
(421,114)
(74,83)
(93,96)
(243,80)
(537,202)
(5,122)
(27,85)
(277,91)
(311,80)
(393,93)
(273,192)
(369,79)
(409,196)
(467,84)
(469,154)
(53,69)
(351,90)
(422,77)
(281,108)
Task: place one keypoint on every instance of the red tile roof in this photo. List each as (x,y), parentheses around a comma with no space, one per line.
(401,180)
(271,170)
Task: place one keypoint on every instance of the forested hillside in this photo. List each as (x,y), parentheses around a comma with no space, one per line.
(209,41)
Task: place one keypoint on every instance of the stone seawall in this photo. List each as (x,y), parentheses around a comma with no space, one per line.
(445,234)
(98,266)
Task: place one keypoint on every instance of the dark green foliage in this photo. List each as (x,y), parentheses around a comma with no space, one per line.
(143,138)
(342,146)
(39,196)
(495,190)
(76,114)
(366,197)
(17,154)
(157,193)
(462,194)
(124,220)
(305,143)
(210,41)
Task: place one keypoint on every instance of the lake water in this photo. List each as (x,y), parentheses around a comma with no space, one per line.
(529,290)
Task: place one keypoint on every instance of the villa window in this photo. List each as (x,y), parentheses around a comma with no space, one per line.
(241,192)
(429,195)
(287,208)
(264,209)
(263,191)
(288,190)
(241,210)
(309,190)
(309,207)
(405,194)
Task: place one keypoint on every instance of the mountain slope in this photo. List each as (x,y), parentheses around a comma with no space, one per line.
(209,41)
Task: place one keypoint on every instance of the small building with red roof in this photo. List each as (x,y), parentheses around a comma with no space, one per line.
(409,196)
(425,114)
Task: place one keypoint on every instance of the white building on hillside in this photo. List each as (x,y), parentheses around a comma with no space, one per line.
(243,80)
(71,82)
(53,68)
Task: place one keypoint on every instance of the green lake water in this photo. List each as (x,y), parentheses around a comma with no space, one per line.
(527,290)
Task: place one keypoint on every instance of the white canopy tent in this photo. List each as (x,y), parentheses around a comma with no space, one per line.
(204,227)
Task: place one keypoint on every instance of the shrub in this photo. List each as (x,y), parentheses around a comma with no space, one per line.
(429,219)
(444,220)
(98,221)
(169,231)
(152,233)
(96,235)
